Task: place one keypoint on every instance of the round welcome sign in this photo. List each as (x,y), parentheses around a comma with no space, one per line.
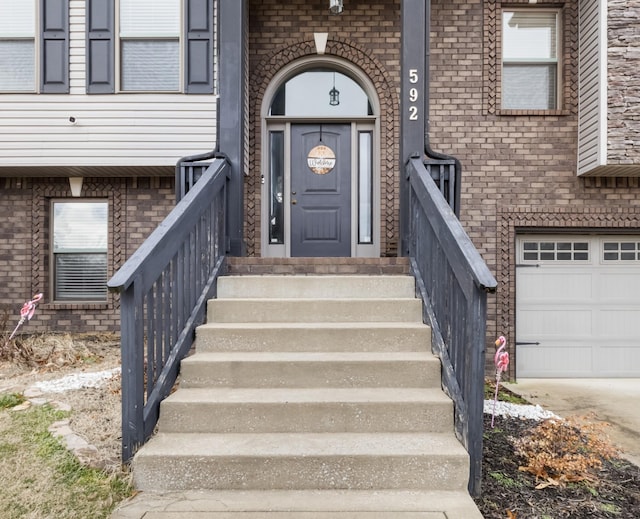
(321,159)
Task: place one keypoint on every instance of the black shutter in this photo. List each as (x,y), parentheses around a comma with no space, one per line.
(100,47)
(198,46)
(54,46)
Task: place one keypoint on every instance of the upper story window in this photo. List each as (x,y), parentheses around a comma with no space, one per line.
(530,49)
(150,45)
(34,46)
(17,46)
(161,46)
(79,263)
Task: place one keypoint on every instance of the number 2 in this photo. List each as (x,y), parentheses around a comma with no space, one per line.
(413,113)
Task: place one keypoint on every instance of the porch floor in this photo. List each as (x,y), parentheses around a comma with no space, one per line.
(334,266)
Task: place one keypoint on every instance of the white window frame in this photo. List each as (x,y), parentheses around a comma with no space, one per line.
(534,61)
(626,251)
(150,37)
(89,250)
(36,51)
(555,250)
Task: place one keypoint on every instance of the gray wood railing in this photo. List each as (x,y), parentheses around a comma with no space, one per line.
(446,172)
(164,288)
(453,282)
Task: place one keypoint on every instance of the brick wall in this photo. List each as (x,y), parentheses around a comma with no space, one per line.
(519,168)
(136,207)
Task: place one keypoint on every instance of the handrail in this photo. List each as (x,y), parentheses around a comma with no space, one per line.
(190,169)
(164,287)
(446,172)
(453,282)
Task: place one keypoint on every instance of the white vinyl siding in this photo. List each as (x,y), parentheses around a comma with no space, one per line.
(110,130)
(80,235)
(577,312)
(122,130)
(77,44)
(530,71)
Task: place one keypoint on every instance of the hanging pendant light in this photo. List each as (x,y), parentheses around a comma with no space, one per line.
(334,93)
(335,6)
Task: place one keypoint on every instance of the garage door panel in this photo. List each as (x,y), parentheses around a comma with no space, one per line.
(619,287)
(543,284)
(583,310)
(554,360)
(537,323)
(618,361)
(618,323)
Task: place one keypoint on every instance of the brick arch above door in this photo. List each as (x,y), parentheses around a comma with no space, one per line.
(262,75)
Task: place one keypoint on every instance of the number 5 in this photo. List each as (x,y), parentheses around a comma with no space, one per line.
(413,75)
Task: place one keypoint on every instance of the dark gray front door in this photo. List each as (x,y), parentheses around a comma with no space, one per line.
(320,190)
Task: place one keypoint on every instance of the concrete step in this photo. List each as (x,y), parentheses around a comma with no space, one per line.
(427,461)
(240,310)
(301,504)
(310,369)
(318,266)
(316,287)
(321,410)
(308,397)
(383,336)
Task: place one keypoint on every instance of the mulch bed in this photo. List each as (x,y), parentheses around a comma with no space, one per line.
(510,493)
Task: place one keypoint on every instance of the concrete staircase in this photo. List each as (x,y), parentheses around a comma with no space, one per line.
(308,397)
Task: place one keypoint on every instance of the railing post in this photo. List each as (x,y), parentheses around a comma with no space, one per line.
(475,399)
(132,352)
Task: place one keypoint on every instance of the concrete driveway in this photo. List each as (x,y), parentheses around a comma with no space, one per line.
(615,401)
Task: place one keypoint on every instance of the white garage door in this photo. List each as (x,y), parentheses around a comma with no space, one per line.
(578,306)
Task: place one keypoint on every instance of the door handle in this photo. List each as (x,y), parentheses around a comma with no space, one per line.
(527,343)
(294,202)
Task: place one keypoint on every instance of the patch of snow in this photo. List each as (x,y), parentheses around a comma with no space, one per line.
(76,381)
(529,412)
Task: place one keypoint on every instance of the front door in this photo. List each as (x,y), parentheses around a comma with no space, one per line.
(321,189)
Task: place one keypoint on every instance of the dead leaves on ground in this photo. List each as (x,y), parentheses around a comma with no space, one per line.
(559,452)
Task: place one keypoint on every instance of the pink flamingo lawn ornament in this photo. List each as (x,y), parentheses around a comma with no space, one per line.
(501,360)
(26,313)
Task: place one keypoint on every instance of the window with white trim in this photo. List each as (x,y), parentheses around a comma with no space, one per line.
(79,262)
(34,46)
(621,251)
(547,250)
(530,50)
(17,46)
(150,46)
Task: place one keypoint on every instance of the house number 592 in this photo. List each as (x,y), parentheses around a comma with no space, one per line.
(413,94)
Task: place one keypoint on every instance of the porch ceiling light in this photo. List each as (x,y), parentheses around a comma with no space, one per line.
(335,6)
(334,93)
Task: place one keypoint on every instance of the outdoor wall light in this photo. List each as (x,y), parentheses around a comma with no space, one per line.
(334,93)
(335,6)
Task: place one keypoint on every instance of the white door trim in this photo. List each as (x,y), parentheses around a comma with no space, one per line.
(283,123)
